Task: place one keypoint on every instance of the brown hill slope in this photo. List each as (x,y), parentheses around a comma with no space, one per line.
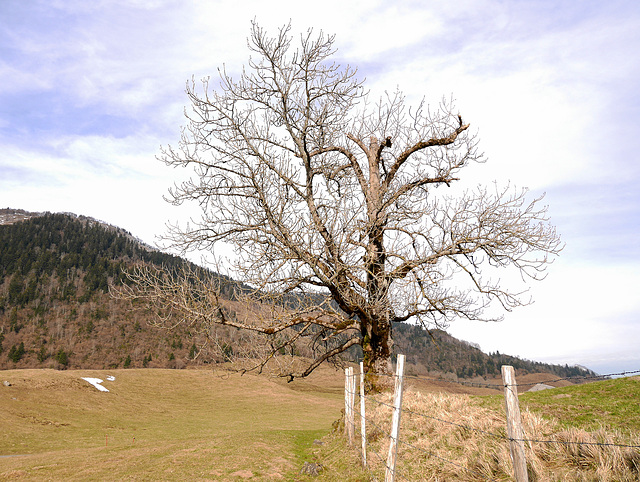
(55,309)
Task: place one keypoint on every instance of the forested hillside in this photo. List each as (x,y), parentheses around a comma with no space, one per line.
(58,256)
(56,311)
(438,353)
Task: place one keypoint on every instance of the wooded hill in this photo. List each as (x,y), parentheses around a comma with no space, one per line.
(55,308)
(56,311)
(438,353)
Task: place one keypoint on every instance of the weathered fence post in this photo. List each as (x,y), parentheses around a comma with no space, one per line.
(363,427)
(514,424)
(352,408)
(349,399)
(346,401)
(390,472)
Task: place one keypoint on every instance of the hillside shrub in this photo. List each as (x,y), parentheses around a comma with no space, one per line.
(42,354)
(15,354)
(62,358)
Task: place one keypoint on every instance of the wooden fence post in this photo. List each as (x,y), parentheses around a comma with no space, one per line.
(346,401)
(390,472)
(349,399)
(514,424)
(363,425)
(352,408)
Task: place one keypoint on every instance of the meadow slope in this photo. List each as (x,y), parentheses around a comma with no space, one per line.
(202,424)
(161,424)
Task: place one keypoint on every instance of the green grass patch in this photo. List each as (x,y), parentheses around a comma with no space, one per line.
(610,404)
(341,463)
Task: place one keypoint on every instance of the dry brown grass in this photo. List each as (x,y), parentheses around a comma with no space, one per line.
(161,424)
(204,425)
(452,437)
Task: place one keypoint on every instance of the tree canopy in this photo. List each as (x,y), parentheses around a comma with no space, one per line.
(339,208)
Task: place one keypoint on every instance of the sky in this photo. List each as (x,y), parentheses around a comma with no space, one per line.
(89,91)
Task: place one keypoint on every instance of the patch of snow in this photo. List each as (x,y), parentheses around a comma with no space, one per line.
(540,386)
(111,378)
(96,383)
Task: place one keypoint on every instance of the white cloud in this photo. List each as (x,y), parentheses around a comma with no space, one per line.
(580,313)
(91,89)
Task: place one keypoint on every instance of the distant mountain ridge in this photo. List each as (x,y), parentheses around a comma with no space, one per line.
(55,310)
(10,216)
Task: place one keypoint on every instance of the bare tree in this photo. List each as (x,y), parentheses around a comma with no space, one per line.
(341,205)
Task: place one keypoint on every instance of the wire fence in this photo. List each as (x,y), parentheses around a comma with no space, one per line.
(501,386)
(396,473)
(392,472)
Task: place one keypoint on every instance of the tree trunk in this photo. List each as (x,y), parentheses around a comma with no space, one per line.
(376,330)
(376,347)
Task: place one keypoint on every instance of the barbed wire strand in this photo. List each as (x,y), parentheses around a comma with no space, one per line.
(500,386)
(366,466)
(372,450)
(466,427)
(432,454)
(384,462)
(400,440)
(503,437)
(356,430)
(377,427)
(568,442)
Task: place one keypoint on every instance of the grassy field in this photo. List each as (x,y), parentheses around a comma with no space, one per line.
(612,404)
(207,425)
(161,424)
